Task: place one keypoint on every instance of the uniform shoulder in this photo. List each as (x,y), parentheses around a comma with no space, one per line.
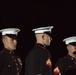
(35,51)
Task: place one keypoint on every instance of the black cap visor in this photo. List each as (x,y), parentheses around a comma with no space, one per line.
(13,36)
(73,43)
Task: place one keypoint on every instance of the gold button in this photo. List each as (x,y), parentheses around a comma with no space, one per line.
(9,66)
(14,60)
(17,73)
(16,64)
(17,68)
(12,56)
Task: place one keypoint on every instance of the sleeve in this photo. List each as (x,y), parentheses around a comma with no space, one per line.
(36,63)
(58,67)
(44,63)
(48,63)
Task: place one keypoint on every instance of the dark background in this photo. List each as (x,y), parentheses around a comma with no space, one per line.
(29,14)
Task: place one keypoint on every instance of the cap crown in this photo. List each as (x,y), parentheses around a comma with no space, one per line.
(70,40)
(42,29)
(10,31)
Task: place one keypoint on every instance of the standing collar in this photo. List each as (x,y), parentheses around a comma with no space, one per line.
(39,45)
(70,57)
(10,52)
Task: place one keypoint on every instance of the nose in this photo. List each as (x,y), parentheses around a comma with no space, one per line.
(15,41)
(50,39)
(75,47)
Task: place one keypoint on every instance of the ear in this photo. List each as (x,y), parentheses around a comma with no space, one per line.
(3,39)
(43,36)
(68,47)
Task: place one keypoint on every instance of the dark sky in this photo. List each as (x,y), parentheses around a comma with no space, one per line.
(27,15)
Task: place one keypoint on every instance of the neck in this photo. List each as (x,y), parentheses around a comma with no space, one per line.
(8,49)
(41,43)
(72,55)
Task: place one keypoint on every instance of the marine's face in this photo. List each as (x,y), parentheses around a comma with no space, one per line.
(9,43)
(71,49)
(47,39)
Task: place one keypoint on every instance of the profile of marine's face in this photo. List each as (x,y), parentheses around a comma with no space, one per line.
(71,49)
(9,43)
(46,39)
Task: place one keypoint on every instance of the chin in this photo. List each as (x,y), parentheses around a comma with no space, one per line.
(48,44)
(14,48)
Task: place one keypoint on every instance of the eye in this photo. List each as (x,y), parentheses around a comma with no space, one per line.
(12,39)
